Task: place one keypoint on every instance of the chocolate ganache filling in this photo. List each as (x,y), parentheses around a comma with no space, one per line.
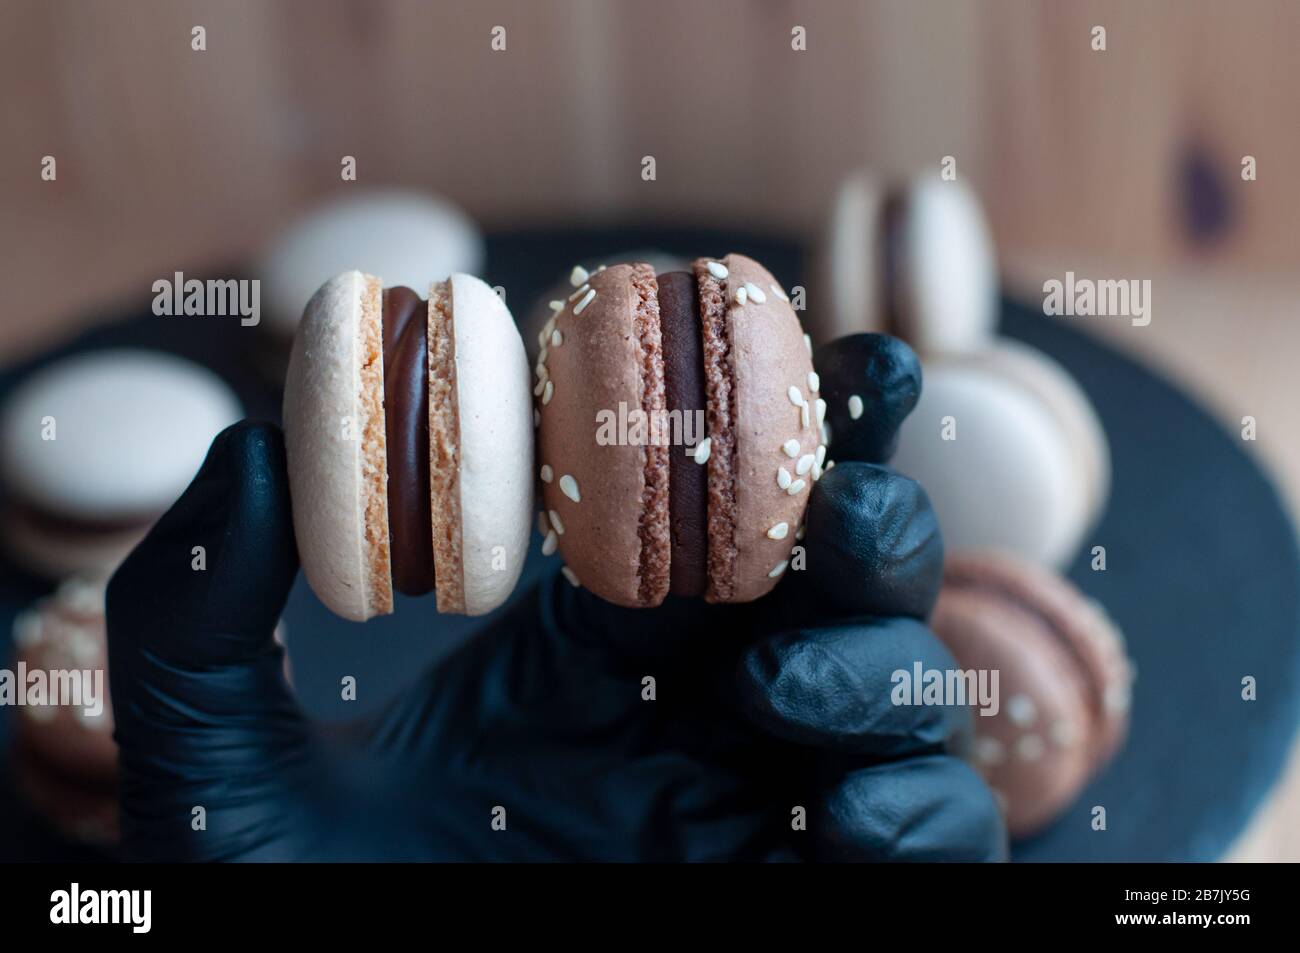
(406,425)
(688,491)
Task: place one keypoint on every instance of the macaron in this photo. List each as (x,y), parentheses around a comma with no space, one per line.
(1010,452)
(95,447)
(65,755)
(913,259)
(544,308)
(1063,680)
(679,431)
(402,234)
(409,441)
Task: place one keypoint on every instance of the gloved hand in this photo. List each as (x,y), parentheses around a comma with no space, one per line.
(763,713)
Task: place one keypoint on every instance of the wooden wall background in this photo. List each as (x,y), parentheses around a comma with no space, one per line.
(167,154)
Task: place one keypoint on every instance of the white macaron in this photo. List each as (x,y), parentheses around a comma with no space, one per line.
(95,447)
(914,260)
(1010,452)
(408,429)
(401,234)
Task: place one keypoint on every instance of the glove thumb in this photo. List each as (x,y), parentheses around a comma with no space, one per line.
(199,693)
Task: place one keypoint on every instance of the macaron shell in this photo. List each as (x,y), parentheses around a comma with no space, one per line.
(65,737)
(496,444)
(1061,394)
(1009,479)
(141,421)
(594,371)
(56,555)
(331,470)
(768,357)
(849,262)
(949,284)
(1092,639)
(1035,752)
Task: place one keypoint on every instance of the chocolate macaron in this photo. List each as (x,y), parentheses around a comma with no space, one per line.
(409,447)
(65,758)
(1064,680)
(679,431)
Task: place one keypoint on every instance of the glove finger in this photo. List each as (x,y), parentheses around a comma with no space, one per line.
(870,383)
(201,705)
(872,545)
(932,808)
(848,688)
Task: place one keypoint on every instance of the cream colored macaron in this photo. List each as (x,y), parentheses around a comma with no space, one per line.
(915,260)
(408,428)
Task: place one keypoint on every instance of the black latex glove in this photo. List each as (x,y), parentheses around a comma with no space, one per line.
(760,709)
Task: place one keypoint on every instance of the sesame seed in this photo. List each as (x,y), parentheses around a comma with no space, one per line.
(796,398)
(556,338)
(601,268)
(1064,734)
(717,269)
(537,417)
(555,305)
(541,338)
(778,531)
(803,417)
(791,448)
(703,449)
(816,471)
(826,432)
(569,487)
(777,290)
(807,342)
(782,477)
(798,534)
(548,393)
(778,569)
(541,386)
(742,295)
(796,486)
(540,370)
(820,406)
(1030,748)
(1022,710)
(814,381)
(555,521)
(755,293)
(805,464)
(989,750)
(547,473)
(855,407)
(581,291)
(543,354)
(829,464)
(578,276)
(582,305)
(550,543)
(570,575)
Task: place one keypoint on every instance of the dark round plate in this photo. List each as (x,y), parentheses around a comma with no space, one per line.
(1202,575)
